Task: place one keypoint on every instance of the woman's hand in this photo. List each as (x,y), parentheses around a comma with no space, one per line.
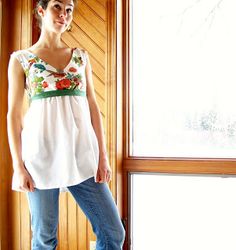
(25,181)
(104,171)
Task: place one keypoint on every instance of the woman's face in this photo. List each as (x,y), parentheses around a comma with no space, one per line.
(58,15)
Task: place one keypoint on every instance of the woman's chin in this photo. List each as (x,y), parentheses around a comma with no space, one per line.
(59,29)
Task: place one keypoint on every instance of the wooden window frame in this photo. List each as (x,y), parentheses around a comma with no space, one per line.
(134,164)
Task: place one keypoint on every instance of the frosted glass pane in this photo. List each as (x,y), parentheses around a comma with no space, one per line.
(183,78)
(183,212)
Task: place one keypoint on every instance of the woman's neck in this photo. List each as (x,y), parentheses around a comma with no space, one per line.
(50,41)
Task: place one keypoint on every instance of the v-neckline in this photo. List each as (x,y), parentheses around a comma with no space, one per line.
(58,70)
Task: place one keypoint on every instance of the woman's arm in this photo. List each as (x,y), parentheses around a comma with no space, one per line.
(104,170)
(16,81)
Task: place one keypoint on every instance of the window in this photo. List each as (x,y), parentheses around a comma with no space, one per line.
(180,116)
(183,78)
(183,212)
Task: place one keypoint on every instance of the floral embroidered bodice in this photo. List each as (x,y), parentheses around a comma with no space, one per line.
(42,77)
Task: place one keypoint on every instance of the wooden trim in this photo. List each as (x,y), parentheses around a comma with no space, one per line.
(119,103)
(125,72)
(125,33)
(115,98)
(111,90)
(185,166)
(4,152)
(126,75)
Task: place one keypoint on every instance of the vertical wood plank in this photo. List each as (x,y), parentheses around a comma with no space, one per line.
(26,29)
(15,221)
(25,41)
(81,230)
(72,223)
(63,221)
(3,147)
(25,223)
(111,136)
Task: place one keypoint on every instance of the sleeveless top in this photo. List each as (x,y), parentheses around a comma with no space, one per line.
(59,145)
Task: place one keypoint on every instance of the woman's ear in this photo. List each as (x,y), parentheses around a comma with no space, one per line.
(40,11)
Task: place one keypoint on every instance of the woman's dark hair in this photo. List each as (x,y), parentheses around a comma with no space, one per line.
(44,4)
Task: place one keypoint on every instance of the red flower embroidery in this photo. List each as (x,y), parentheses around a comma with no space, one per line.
(76,79)
(72,69)
(58,75)
(45,84)
(63,84)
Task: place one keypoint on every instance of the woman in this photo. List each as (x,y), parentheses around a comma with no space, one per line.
(59,143)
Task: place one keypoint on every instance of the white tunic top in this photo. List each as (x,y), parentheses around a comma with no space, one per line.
(59,145)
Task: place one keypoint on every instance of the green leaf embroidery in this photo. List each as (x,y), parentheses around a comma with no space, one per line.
(79,76)
(77,60)
(69,76)
(38,79)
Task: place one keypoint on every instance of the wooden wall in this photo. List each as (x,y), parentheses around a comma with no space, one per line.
(4,151)
(94,29)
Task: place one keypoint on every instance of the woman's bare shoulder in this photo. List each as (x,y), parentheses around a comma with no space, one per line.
(16,60)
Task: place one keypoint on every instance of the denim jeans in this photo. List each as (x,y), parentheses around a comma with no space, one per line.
(94,199)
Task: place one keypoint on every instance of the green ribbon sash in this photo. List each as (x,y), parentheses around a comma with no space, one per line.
(61,92)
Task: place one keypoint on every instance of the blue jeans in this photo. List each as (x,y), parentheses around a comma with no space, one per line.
(97,203)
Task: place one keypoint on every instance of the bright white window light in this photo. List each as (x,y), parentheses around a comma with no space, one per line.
(183,80)
(183,212)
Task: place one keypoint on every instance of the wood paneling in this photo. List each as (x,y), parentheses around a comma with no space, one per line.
(93,29)
(5,159)
(98,8)
(18,212)
(91,15)
(102,2)
(4,153)
(72,224)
